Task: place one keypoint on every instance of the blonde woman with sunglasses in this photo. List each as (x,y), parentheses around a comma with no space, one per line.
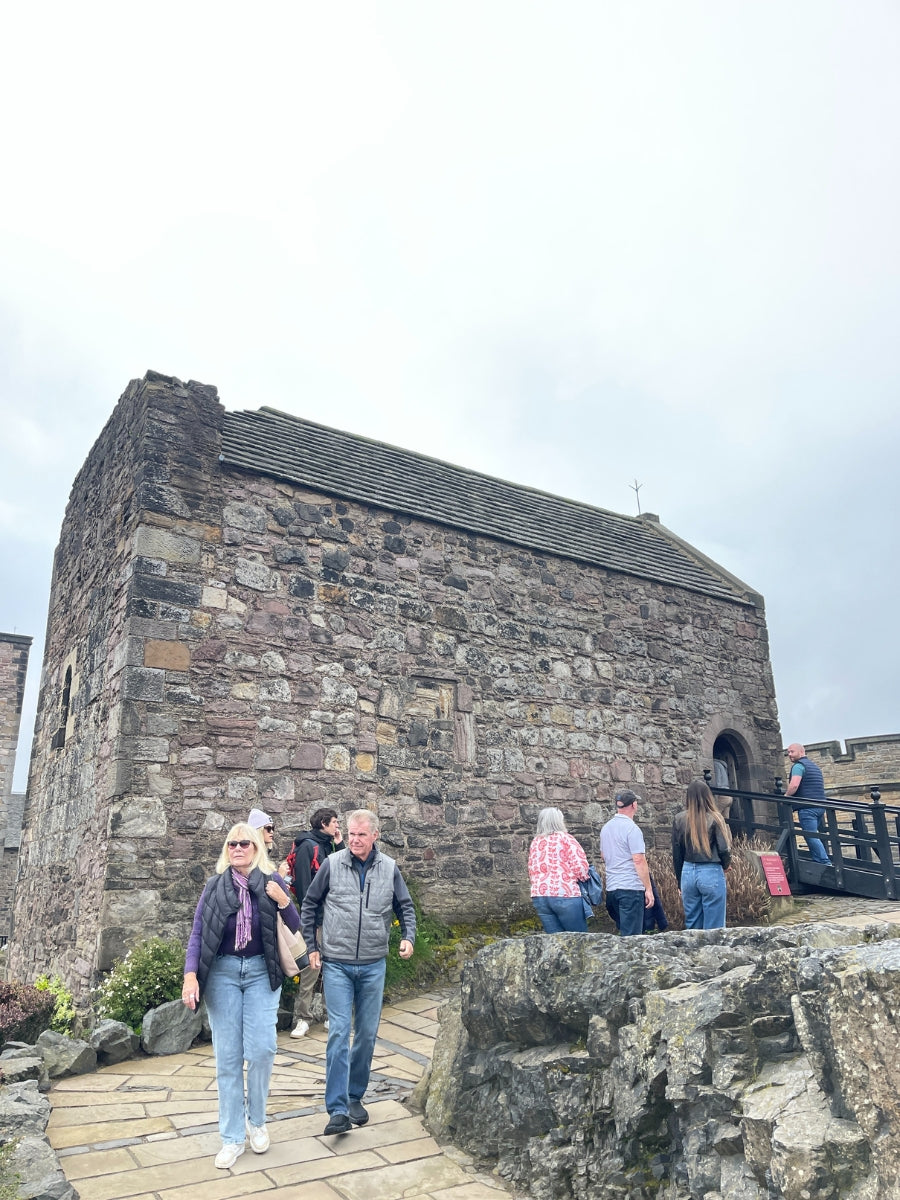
(232,962)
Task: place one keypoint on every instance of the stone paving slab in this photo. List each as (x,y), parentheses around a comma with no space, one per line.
(147,1129)
(821,906)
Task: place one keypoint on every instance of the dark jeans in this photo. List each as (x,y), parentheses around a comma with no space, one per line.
(626,907)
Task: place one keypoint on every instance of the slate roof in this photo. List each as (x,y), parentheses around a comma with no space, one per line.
(269,442)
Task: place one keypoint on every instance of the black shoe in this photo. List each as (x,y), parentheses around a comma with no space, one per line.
(358,1114)
(339,1123)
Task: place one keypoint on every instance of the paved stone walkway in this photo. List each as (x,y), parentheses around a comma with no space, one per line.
(146,1129)
(847,910)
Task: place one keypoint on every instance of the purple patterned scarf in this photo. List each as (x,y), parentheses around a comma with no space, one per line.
(244,926)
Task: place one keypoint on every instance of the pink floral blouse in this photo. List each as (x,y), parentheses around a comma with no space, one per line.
(556,862)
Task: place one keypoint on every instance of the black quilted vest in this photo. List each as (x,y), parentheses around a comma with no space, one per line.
(220,900)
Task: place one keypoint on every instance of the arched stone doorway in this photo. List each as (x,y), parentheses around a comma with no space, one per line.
(729,767)
(731,751)
(730,761)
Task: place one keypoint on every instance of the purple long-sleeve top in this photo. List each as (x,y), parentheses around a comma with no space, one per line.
(192,958)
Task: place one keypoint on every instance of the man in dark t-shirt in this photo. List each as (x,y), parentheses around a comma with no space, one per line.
(311,848)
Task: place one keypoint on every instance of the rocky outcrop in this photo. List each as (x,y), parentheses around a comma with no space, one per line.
(752,1064)
(26,1072)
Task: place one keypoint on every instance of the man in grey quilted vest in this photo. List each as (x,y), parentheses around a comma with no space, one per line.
(351,901)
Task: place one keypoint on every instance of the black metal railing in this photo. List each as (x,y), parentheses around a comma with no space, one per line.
(861,840)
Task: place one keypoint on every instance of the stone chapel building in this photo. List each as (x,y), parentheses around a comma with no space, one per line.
(252,609)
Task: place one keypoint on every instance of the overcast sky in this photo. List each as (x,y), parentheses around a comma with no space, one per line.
(571,244)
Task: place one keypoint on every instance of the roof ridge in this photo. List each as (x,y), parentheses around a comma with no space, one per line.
(443,462)
(339,463)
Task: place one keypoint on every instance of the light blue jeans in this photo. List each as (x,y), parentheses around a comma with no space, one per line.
(810,822)
(703,895)
(353,995)
(243,1011)
(560,913)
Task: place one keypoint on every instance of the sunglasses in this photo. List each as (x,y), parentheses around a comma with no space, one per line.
(269,828)
(243,845)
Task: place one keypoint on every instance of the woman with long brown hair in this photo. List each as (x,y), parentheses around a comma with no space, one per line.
(701,854)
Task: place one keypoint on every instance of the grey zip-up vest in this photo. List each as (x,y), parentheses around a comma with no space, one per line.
(357,923)
(812,782)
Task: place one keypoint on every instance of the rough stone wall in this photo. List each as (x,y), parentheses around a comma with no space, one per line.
(15,806)
(866,761)
(14,651)
(143,467)
(256,643)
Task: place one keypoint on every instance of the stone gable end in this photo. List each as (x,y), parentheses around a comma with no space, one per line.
(245,640)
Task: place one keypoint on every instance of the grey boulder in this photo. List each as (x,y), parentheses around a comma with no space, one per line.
(64,1055)
(114,1042)
(40,1175)
(170,1029)
(24,1112)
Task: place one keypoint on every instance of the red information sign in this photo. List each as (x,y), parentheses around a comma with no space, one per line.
(775,876)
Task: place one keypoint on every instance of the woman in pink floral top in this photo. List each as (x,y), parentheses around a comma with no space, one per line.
(556,862)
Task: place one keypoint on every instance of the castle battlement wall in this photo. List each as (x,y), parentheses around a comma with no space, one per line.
(853,768)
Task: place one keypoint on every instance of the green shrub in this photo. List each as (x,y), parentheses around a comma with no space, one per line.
(425,966)
(151,973)
(62,1019)
(24,1012)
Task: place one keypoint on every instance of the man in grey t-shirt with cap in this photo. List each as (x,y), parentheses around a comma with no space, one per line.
(628,887)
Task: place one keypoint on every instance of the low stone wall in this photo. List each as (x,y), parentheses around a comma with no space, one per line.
(745,1063)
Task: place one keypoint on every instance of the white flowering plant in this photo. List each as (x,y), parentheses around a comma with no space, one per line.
(151,973)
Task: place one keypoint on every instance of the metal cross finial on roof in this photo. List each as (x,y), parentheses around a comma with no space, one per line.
(636,487)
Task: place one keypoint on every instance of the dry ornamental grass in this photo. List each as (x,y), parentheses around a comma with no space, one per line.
(748,896)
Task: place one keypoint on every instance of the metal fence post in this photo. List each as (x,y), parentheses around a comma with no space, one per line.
(863,847)
(786,821)
(883,841)
(837,853)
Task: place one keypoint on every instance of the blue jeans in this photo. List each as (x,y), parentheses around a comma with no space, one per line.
(809,819)
(703,895)
(243,1011)
(626,907)
(560,913)
(353,994)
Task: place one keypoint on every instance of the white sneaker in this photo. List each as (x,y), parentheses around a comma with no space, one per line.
(301,1029)
(228,1155)
(325,1024)
(259,1138)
